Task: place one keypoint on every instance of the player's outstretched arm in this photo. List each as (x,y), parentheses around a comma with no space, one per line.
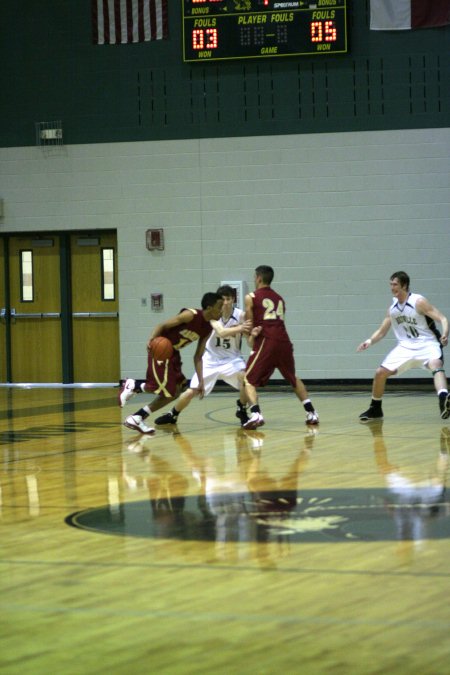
(377,336)
(233,330)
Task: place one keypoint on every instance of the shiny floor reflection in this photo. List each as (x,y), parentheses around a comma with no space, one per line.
(262,508)
(208,548)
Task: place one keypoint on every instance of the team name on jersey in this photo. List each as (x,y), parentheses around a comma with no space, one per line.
(190,335)
(406,319)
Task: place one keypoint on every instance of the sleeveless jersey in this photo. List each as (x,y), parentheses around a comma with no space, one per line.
(412,329)
(268,311)
(186,333)
(220,350)
(166,377)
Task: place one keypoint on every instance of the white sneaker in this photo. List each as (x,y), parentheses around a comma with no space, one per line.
(127,391)
(312,418)
(135,422)
(255,420)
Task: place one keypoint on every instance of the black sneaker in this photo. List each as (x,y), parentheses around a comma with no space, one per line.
(241,413)
(168,418)
(444,406)
(371,414)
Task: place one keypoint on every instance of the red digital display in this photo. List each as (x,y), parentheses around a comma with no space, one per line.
(323,31)
(204,38)
(216,30)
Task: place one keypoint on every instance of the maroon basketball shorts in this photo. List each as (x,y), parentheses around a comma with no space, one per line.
(267,355)
(165,377)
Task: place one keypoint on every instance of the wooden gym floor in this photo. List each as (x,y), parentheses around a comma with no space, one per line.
(206,549)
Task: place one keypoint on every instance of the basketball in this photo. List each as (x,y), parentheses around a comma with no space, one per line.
(161,348)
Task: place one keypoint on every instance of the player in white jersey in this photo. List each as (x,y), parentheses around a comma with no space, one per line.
(419,344)
(222,359)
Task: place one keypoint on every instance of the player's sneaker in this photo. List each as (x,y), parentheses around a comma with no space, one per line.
(241,413)
(444,406)
(255,420)
(371,414)
(136,423)
(127,391)
(312,418)
(168,418)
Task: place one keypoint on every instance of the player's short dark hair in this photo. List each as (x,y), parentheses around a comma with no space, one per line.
(210,299)
(226,290)
(266,273)
(402,277)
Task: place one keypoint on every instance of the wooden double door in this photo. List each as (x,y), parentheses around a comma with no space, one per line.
(59,308)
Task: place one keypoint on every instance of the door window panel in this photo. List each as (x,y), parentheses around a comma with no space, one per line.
(26,276)
(108,281)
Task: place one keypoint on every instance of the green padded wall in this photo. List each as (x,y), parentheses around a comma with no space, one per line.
(52,71)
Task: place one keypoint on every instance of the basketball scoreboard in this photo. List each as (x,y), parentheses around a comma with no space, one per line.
(215,30)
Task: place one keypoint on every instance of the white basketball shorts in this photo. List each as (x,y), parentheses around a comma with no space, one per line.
(401,358)
(228,372)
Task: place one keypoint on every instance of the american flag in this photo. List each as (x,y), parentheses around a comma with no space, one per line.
(126,21)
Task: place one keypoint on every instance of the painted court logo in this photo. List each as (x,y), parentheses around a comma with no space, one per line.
(313,516)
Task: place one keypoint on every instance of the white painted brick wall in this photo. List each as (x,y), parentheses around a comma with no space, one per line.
(334,214)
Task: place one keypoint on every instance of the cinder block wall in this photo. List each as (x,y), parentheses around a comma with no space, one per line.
(334,214)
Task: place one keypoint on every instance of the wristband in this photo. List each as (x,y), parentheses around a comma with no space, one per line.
(369,341)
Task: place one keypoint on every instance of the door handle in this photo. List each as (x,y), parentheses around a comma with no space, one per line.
(94,315)
(34,315)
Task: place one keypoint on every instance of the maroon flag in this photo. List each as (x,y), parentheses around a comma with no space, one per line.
(408,14)
(126,21)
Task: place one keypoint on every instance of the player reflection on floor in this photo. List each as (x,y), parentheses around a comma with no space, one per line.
(413,502)
(241,502)
(236,502)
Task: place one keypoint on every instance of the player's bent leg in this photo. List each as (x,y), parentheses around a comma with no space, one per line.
(160,402)
(255,418)
(127,391)
(250,392)
(300,390)
(379,381)
(236,380)
(312,416)
(241,412)
(440,384)
(375,410)
(182,403)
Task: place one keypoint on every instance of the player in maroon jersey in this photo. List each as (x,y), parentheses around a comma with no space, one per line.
(165,378)
(271,348)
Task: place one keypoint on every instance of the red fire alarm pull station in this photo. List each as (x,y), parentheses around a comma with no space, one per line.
(154,240)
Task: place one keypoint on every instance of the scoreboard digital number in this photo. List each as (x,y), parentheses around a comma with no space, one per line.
(216,30)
